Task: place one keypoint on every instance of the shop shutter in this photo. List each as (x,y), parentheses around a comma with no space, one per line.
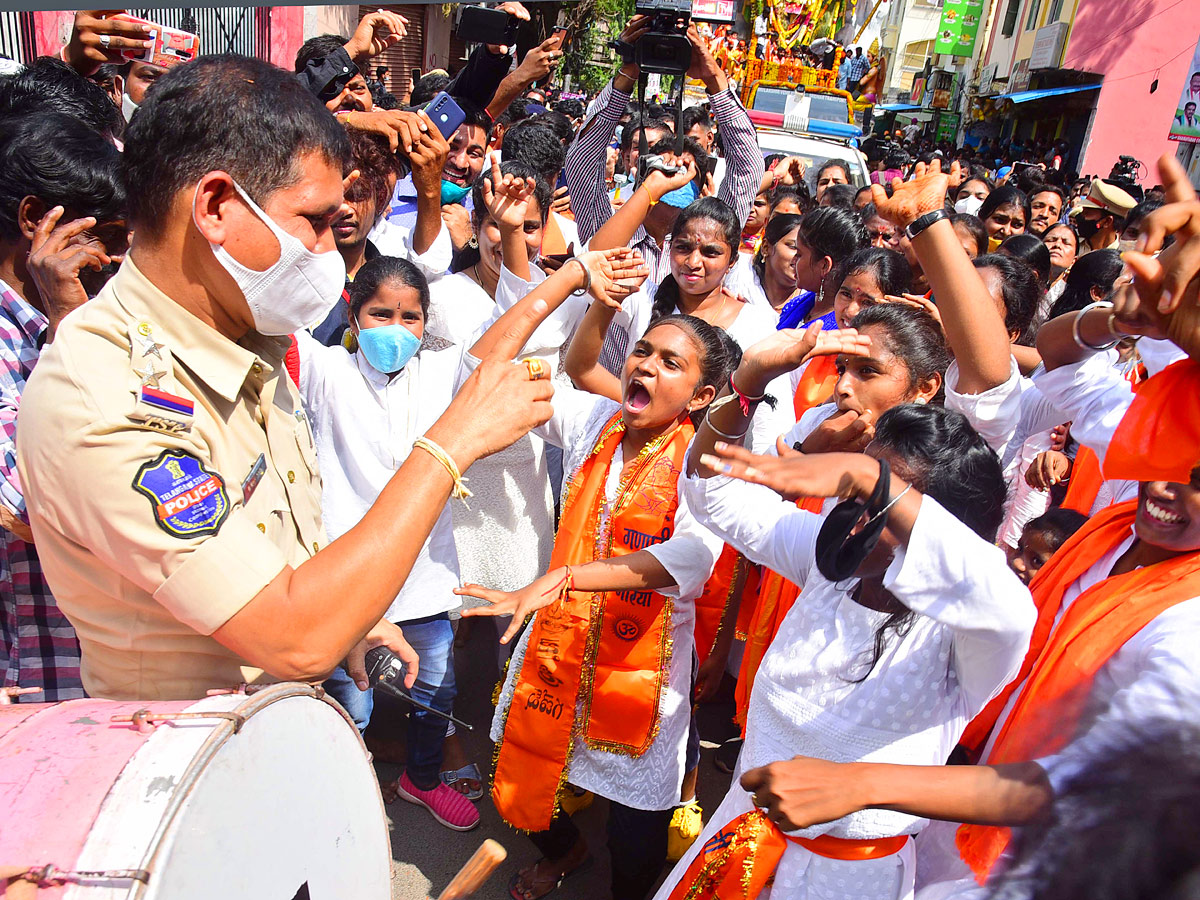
(409,54)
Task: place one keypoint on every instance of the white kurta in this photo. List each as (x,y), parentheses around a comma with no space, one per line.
(364,424)
(653,780)
(968,639)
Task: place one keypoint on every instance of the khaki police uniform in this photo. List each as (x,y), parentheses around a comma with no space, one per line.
(170,475)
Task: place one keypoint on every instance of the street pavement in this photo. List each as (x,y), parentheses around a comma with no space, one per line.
(426,855)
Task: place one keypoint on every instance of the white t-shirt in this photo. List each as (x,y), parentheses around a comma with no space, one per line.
(364,424)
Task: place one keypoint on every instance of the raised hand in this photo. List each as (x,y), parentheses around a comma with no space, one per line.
(519,603)
(539,62)
(56,260)
(427,153)
(916,301)
(790,348)
(508,197)
(97,39)
(802,475)
(615,274)
(659,184)
(375,33)
(910,200)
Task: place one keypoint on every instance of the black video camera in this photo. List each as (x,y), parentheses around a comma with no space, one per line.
(664,49)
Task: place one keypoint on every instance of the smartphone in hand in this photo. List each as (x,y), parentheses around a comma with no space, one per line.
(446,115)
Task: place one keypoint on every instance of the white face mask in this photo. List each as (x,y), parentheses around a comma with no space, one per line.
(128,107)
(296,291)
(968,205)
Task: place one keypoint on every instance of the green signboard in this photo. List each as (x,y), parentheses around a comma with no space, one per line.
(947,127)
(961,20)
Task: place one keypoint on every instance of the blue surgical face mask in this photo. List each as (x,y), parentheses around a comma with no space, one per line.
(681,197)
(453,193)
(388,348)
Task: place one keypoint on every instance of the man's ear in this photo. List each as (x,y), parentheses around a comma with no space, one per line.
(29,212)
(210,202)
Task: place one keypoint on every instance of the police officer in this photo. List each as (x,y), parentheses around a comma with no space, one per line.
(169,470)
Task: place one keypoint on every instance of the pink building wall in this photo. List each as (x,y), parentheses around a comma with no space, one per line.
(287,34)
(1128,43)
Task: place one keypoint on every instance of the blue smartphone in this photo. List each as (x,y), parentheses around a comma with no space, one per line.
(446,114)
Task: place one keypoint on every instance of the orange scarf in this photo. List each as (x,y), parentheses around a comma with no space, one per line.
(816,384)
(609,649)
(718,593)
(740,859)
(1158,437)
(1056,677)
(1086,480)
(776,597)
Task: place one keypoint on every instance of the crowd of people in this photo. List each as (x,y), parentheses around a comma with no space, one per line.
(290,374)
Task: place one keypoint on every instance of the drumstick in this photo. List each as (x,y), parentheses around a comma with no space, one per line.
(479,867)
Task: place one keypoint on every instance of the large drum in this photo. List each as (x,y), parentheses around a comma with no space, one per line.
(261,796)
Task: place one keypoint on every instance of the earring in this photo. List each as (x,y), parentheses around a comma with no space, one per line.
(473,243)
(920,401)
(820,294)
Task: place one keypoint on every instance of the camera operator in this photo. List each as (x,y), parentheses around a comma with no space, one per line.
(586,160)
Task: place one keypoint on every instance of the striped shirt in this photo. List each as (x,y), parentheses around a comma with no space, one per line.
(40,648)
(587,183)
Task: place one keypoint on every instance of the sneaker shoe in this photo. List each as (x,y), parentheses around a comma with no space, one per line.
(727,755)
(686,824)
(444,803)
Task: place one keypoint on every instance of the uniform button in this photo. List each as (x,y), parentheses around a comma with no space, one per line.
(258,416)
(291,477)
(262,527)
(316,548)
(256,369)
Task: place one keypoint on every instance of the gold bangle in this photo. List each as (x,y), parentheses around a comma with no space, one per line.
(650,195)
(459,491)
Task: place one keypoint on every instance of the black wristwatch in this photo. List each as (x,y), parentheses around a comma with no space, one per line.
(922,222)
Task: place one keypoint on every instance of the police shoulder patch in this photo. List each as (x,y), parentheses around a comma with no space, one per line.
(188,500)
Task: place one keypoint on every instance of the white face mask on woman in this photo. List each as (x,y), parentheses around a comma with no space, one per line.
(968,205)
(296,291)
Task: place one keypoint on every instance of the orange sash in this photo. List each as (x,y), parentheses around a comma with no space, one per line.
(775,598)
(718,593)
(1056,677)
(608,650)
(740,860)
(816,384)
(1086,480)
(1158,437)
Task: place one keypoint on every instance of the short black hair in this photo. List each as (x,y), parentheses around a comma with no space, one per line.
(532,143)
(570,107)
(427,87)
(50,84)
(629,133)
(696,115)
(972,225)
(62,162)
(559,124)
(475,114)
(1057,524)
(228,112)
(318,47)
(840,195)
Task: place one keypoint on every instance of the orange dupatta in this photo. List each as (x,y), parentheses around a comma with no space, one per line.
(608,649)
(717,595)
(1159,434)
(816,384)
(1086,480)
(1056,676)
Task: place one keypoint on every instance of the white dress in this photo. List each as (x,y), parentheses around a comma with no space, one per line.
(1154,676)
(968,639)
(364,424)
(653,780)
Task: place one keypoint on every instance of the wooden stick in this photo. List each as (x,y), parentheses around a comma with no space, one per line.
(478,869)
